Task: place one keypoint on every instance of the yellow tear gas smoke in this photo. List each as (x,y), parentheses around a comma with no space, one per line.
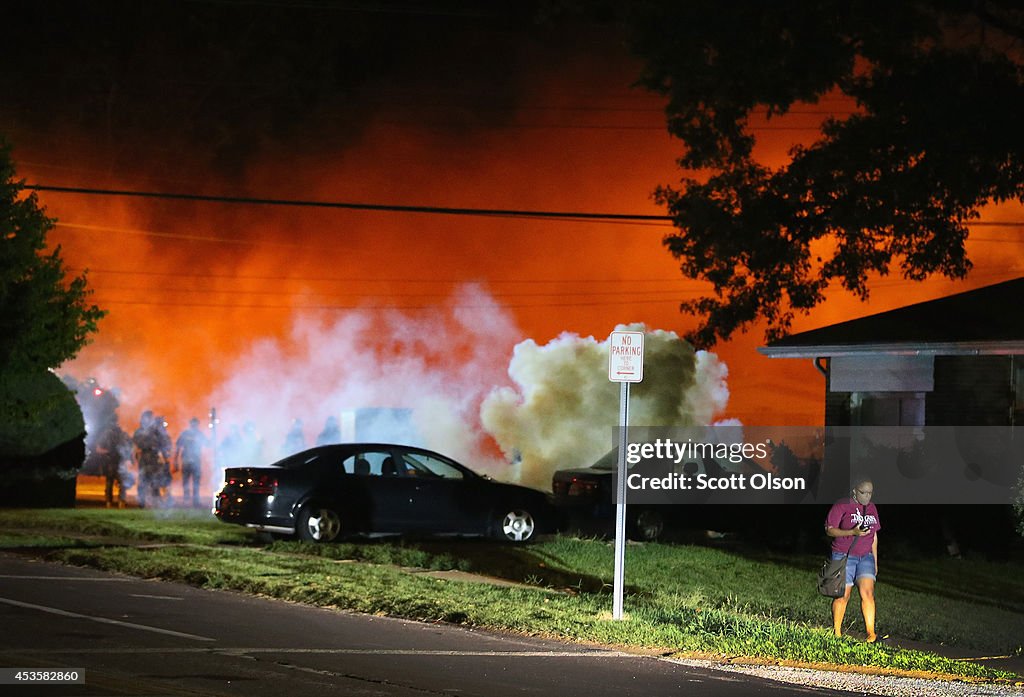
(563,410)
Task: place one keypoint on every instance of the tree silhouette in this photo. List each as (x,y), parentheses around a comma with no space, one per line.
(930,135)
(45,318)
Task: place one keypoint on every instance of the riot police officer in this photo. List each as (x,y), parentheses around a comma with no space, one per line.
(188,452)
(153,449)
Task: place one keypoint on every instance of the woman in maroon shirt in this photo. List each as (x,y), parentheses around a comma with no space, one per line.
(857,518)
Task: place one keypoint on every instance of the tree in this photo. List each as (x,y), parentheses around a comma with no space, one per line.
(44,317)
(932,134)
(44,320)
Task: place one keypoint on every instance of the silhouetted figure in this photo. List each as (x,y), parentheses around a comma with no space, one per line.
(166,447)
(153,448)
(331,433)
(188,454)
(252,445)
(230,452)
(295,440)
(114,447)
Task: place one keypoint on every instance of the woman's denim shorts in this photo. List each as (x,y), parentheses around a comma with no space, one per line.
(858,567)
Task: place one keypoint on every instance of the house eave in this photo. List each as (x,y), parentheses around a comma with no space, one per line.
(968,348)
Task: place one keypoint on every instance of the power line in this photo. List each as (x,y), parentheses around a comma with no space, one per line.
(264,243)
(404,307)
(633,295)
(378,7)
(245,306)
(408,280)
(176,235)
(375,279)
(661,220)
(423,296)
(500,294)
(426,123)
(344,205)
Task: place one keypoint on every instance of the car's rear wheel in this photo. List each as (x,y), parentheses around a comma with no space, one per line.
(647,525)
(319,524)
(517,525)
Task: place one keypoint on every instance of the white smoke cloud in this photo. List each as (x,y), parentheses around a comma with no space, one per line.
(564,409)
(438,363)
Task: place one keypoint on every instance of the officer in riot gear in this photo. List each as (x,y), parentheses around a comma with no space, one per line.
(114,449)
(153,450)
(188,451)
(295,440)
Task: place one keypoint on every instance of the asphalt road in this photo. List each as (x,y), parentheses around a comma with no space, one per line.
(141,637)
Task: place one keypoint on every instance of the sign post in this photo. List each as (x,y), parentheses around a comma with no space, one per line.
(625,365)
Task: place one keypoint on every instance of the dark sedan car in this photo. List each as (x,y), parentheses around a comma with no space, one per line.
(323,493)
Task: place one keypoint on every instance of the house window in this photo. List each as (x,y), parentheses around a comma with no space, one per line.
(887,408)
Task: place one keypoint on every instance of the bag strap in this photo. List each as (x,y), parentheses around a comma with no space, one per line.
(853,541)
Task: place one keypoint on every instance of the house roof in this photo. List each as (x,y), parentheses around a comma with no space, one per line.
(988,320)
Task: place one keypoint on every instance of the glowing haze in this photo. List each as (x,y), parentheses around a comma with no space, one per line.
(491,329)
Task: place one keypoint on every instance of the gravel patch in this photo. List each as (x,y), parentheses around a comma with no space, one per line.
(889,685)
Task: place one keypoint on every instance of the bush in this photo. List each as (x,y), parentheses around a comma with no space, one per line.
(42,440)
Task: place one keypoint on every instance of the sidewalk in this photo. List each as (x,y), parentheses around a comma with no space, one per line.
(1012,664)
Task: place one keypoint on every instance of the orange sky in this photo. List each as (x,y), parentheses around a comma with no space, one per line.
(192,287)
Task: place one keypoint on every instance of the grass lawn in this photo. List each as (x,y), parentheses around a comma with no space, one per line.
(684,599)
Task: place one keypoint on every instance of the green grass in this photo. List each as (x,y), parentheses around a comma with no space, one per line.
(680,599)
(133,524)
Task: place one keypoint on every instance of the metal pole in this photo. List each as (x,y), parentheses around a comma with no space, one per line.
(213,437)
(620,505)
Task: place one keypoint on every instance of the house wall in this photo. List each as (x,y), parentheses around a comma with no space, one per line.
(968,391)
(971,391)
(837,407)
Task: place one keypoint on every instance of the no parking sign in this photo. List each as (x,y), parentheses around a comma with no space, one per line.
(625,365)
(626,357)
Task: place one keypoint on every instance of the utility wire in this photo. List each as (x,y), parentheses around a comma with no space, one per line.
(299,203)
(633,218)
(177,235)
(367,279)
(82,227)
(403,280)
(422,296)
(433,307)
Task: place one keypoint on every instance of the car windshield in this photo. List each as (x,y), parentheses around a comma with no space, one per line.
(419,464)
(608,462)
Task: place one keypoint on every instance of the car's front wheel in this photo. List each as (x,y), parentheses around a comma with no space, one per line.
(647,525)
(516,525)
(318,524)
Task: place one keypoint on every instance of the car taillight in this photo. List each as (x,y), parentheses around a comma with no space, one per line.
(256,484)
(582,487)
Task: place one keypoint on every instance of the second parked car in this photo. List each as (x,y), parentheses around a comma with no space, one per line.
(585,499)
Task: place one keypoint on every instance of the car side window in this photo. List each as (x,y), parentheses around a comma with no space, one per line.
(346,464)
(371,463)
(355,464)
(422,465)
